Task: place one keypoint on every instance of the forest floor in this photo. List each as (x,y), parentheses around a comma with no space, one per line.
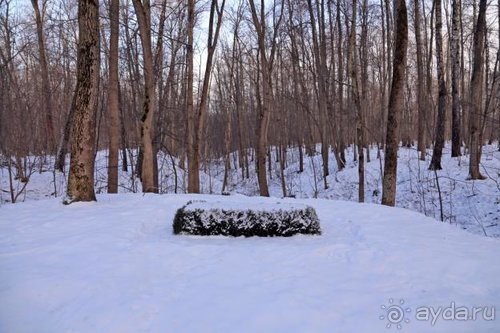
(468,204)
(115,266)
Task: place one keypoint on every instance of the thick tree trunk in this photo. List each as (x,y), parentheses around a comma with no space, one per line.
(85,100)
(113,95)
(477,93)
(396,101)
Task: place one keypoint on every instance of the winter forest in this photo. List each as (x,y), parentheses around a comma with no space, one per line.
(128,126)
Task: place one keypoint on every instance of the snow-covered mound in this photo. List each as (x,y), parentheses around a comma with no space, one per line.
(240,218)
(115,266)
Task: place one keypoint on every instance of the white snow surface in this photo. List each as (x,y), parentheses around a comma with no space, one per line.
(115,266)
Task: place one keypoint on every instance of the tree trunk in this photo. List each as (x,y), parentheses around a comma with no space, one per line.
(421,96)
(428,100)
(65,138)
(396,101)
(341,162)
(227,148)
(319,48)
(46,91)
(85,100)
(143,12)
(264,116)
(113,102)
(193,169)
(196,131)
(441,117)
(353,72)
(262,128)
(477,93)
(455,73)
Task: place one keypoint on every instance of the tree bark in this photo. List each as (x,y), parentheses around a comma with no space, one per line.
(455,76)
(264,116)
(193,169)
(85,100)
(476,84)
(113,95)
(196,131)
(396,101)
(421,95)
(341,163)
(353,72)
(319,48)
(46,90)
(441,117)
(65,138)
(143,12)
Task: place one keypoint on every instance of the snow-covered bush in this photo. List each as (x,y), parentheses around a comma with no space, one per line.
(242,219)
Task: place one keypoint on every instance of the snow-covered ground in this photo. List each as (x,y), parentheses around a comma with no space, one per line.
(472,205)
(115,266)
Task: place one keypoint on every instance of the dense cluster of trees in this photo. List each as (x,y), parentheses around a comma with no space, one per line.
(202,79)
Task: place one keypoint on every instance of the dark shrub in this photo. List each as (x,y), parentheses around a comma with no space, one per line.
(202,218)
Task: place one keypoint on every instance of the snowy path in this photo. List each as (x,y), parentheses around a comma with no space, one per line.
(114,266)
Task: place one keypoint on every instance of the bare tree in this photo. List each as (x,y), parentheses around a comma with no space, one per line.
(319,50)
(85,100)
(353,72)
(395,104)
(266,67)
(193,172)
(276,91)
(195,130)
(421,95)
(476,85)
(46,91)
(113,98)
(455,72)
(441,117)
(149,181)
